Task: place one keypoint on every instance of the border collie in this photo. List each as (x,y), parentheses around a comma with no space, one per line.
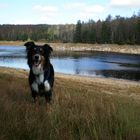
(41,76)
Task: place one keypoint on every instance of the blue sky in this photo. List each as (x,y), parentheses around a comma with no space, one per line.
(63,11)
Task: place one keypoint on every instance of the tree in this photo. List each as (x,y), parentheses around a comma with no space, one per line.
(77,33)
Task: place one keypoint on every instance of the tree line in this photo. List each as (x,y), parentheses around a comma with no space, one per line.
(42,32)
(118,30)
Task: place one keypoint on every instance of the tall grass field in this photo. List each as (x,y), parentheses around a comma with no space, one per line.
(80,110)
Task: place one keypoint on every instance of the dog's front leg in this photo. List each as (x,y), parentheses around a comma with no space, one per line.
(35,97)
(35,90)
(48,98)
(36,100)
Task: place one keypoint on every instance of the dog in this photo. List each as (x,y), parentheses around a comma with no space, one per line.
(41,75)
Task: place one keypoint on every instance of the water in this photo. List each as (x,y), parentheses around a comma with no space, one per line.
(81,63)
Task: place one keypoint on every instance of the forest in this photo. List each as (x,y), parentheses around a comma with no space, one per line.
(117,30)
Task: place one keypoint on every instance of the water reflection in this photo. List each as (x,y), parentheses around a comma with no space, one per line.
(80,63)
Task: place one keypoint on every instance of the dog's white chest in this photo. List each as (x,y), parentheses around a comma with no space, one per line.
(37,70)
(40,78)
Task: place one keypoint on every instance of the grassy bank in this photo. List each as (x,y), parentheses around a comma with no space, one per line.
(130,49)
(83,108)
(11,43)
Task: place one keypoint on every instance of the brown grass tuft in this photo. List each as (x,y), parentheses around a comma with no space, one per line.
(79,111)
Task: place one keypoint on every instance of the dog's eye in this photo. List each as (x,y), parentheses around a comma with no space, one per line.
(41,50)
(35,49)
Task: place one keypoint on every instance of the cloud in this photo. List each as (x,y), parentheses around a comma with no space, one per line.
(94,9)
(47,13)
(83,7)
(49,9)
(125,3)
(83,10)
(76,5)
(66,12)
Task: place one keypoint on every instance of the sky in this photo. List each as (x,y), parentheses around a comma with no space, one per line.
(63,11)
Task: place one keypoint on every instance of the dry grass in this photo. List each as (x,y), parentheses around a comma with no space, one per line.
(80,110)
(130,49)
(11,43)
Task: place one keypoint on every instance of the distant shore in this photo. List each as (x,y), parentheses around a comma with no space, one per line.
(129,49)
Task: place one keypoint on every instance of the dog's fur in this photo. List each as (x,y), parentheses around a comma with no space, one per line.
(41,76)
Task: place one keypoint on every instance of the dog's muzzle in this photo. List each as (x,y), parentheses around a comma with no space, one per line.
(37,59)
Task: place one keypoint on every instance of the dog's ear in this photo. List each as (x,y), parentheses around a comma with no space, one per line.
(48,49)
(29,45)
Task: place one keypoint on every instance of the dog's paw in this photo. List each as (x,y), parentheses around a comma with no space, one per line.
(47,85)
(35,86)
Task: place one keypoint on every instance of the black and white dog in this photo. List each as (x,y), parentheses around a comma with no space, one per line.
(41,76)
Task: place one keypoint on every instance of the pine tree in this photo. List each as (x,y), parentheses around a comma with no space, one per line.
(77,34)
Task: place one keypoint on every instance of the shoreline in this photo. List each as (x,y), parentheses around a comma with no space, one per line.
(20,71)
(125,88)
(125,49)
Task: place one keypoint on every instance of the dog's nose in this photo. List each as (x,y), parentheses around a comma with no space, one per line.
(36,57)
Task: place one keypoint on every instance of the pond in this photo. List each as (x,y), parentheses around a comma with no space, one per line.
(99,64)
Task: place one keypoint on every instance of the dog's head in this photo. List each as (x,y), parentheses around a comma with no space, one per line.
(37,54)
